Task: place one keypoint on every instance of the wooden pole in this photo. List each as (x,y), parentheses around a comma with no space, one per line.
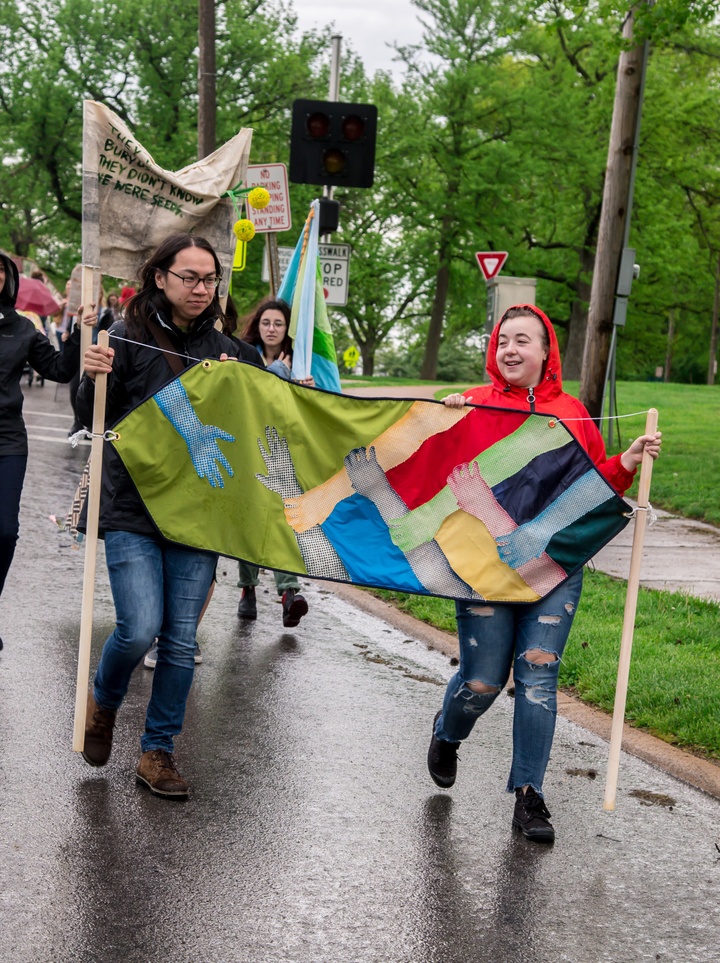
(91,539)
(273,263)
(614,217)
(207,98)
(87,296)
(628,628)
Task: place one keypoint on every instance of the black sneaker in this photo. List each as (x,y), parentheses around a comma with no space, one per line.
(442,759)
(247,606)
(532,817)
(294,606)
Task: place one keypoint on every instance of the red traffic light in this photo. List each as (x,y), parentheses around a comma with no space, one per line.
(353,127)
(318,125)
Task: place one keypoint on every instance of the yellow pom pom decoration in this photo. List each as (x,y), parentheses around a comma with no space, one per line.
(244,229)
(258,198)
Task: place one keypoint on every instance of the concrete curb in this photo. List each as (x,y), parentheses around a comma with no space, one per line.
(683,765)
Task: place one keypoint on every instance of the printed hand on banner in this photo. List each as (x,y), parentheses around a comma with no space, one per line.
(521,545)
(201,440)
(366,475)
(280,477)
(206,455)
(473,494)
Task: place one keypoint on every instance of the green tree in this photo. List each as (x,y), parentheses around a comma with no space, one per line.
(122,53)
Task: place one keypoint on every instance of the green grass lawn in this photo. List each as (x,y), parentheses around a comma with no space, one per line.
(674,689)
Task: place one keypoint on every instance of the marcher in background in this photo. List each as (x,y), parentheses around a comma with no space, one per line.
(20,344)
(524,369)
(111,313)
(158,588)
(266,328)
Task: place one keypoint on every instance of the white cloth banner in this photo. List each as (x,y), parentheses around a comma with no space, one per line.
(130,204)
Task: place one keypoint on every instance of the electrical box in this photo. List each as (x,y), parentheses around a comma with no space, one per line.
(503,293)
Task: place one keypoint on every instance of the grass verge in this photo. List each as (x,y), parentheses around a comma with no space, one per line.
(674,690)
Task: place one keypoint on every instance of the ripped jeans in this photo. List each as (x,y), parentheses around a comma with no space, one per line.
(494,638)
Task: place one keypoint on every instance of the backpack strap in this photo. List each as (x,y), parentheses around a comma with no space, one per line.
(165,345)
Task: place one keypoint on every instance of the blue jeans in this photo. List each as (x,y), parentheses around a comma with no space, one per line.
(159,591)
(494,638)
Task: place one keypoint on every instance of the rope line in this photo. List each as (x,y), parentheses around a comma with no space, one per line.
(606,417)
(152,347)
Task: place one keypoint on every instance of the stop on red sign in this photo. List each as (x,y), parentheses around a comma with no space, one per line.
(491,262)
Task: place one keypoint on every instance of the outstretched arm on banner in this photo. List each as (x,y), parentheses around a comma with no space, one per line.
(320,558)
(428,561)
(392,447)
(201,440)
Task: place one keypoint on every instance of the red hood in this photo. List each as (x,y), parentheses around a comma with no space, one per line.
(551,385)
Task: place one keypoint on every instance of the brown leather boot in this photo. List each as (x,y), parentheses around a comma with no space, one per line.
(99,725)
(157,771)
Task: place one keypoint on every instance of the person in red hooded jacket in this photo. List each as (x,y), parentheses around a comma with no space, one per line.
(524,368)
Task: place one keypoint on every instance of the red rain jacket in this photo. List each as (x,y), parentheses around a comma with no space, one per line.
(551,399)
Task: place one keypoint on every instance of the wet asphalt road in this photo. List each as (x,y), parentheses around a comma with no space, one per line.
(313,832)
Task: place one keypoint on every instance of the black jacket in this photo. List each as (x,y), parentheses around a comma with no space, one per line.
(138,371)
(20,344)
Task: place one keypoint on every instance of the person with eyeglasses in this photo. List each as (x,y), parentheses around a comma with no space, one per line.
(266,328)
(159,589)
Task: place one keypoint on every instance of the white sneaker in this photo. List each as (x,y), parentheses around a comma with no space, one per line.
(151,656)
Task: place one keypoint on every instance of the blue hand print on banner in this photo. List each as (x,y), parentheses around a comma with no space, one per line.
(201,440)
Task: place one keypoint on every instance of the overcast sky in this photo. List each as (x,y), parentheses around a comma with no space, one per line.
(367,25)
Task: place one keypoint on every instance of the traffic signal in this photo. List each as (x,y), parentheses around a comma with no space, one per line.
(333,144)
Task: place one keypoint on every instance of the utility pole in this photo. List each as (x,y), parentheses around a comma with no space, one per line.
(614,220)
(207,99)
(712,361)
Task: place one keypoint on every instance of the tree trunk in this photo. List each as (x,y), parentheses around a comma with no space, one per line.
(428,370)
(572,359)
(207,103)
(669,348)
(712,360)
(616,199)
(367,353)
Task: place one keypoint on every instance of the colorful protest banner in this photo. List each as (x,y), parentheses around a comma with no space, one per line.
(131,204)
(406,495)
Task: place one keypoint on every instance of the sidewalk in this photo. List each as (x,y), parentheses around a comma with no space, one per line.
(679,555)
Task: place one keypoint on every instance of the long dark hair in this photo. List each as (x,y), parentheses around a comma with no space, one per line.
(150,298)
(250,324)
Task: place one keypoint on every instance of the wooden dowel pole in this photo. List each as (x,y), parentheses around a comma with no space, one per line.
(91,539)
(87,284)
(628,628)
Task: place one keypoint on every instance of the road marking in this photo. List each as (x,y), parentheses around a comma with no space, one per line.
(46,427)
(44,414)
(58,441)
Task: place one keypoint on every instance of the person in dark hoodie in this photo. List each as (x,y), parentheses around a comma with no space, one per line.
(524,368)
(20,344)
(158,588)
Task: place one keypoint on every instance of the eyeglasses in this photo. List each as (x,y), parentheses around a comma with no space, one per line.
(191,281)
(273,324)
